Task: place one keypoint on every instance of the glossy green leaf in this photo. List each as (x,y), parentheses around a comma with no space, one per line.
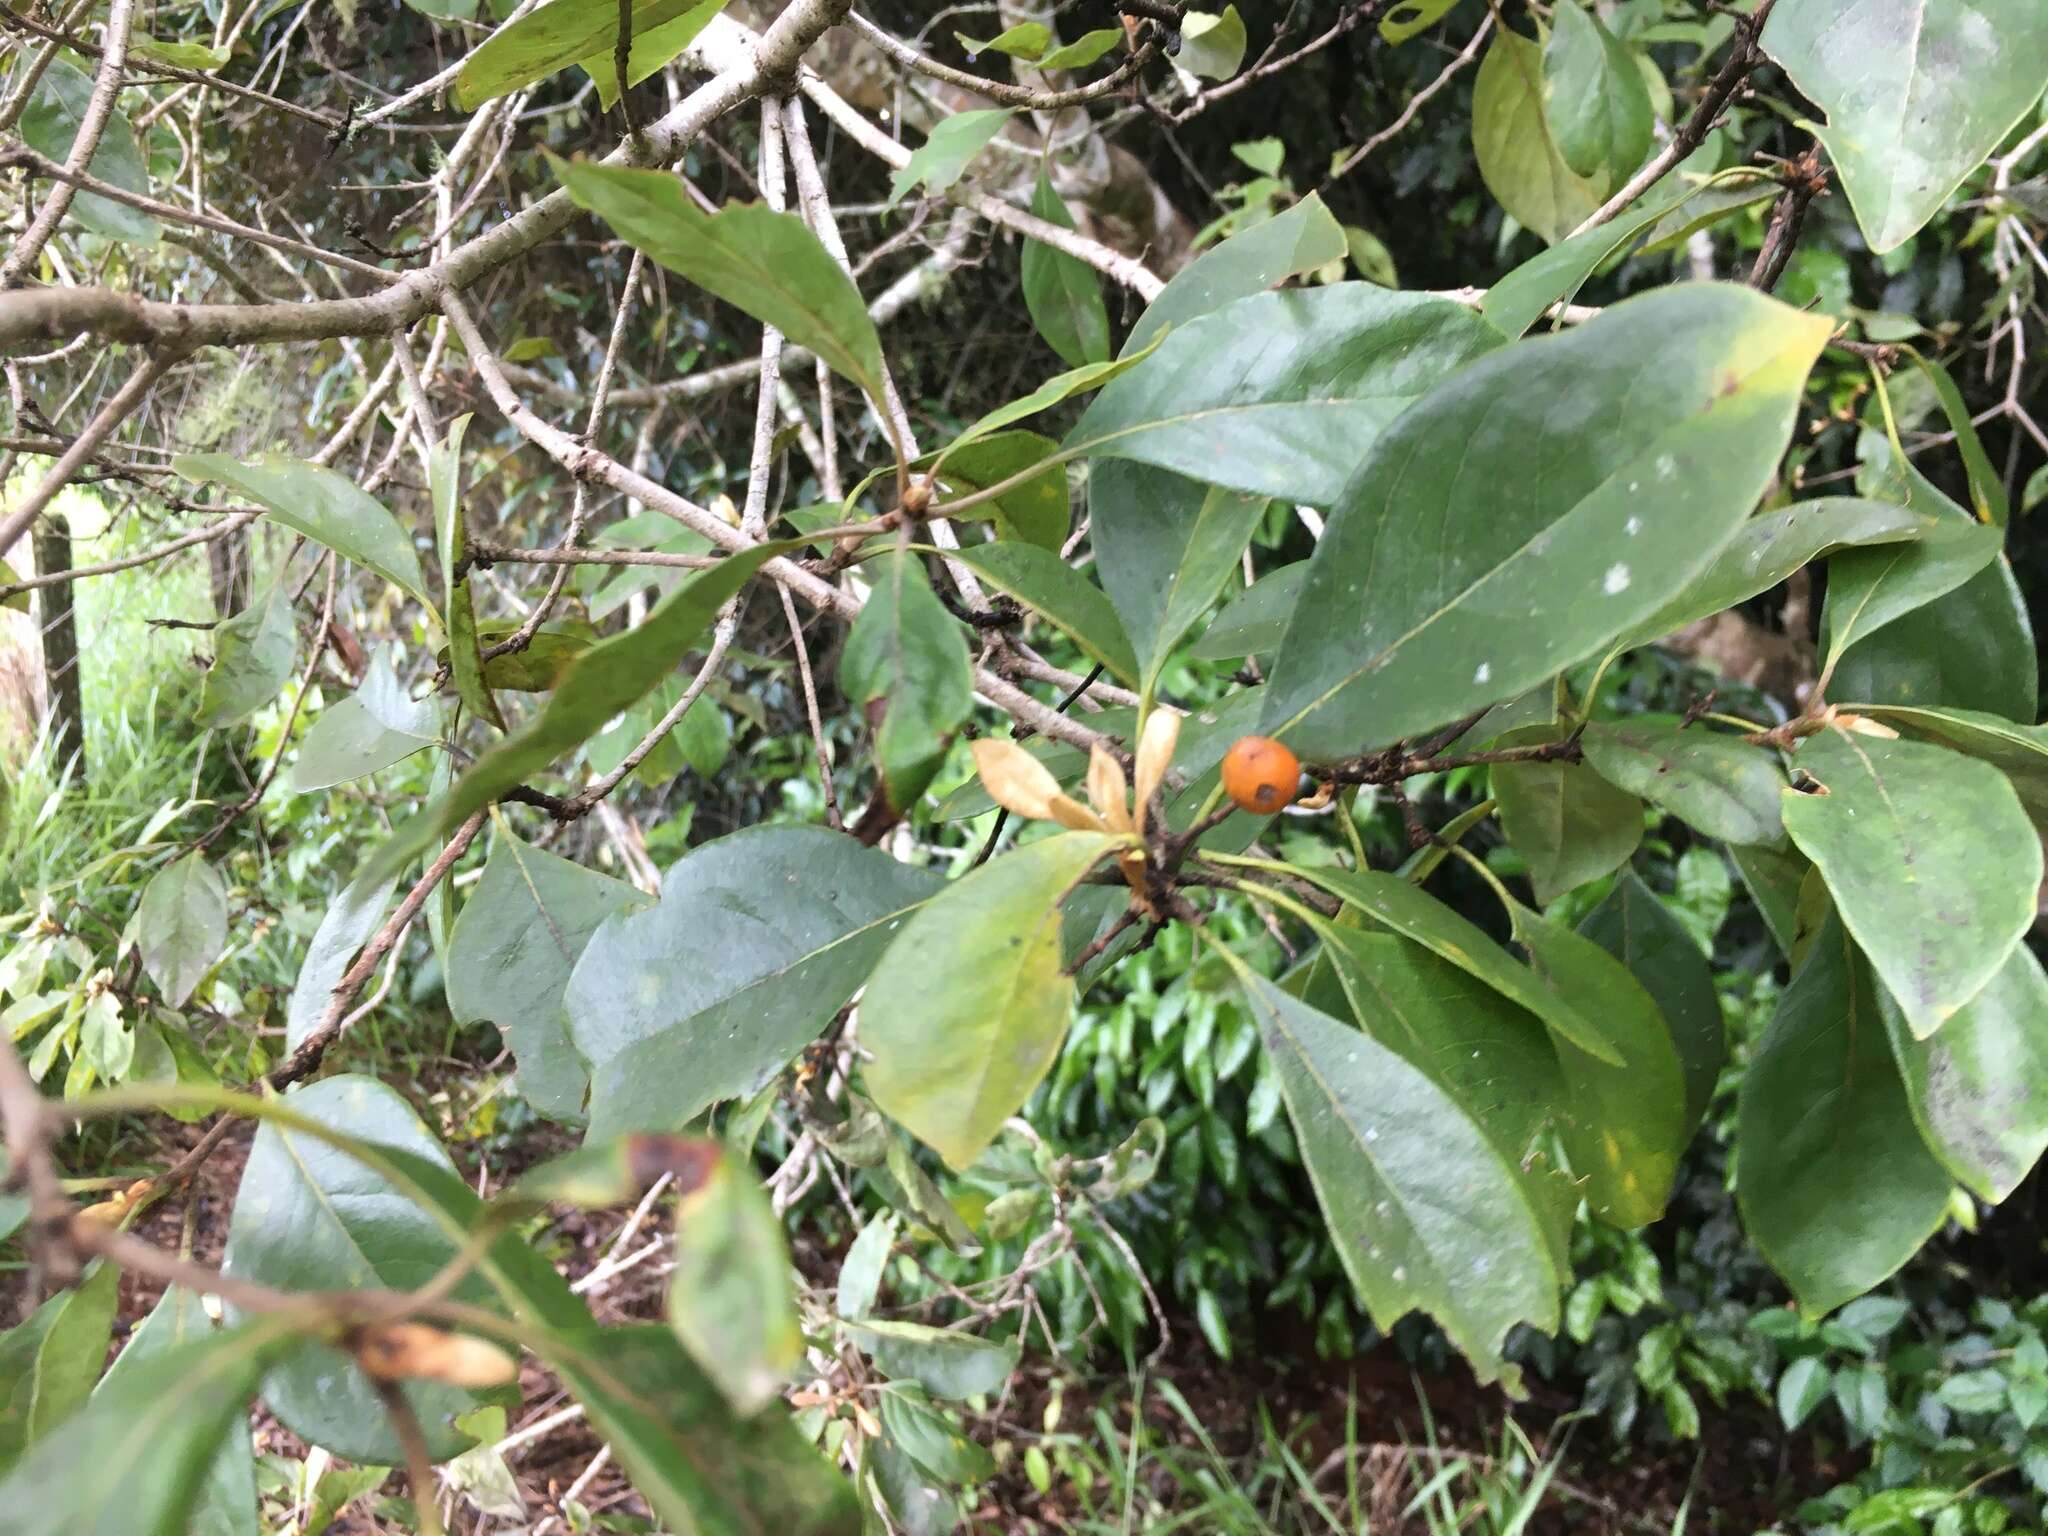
(137,1460)
(542,42)
(943,157)
(1623,1127)
(1979,1086)
(345,927)
(1638,929)
(766,263)
(1282,394)
(932,1440)
(731,1298)
(907,1187)
(1164,546)
(1719,784)
(1517,149)
(1589,477)
(376,726)
(1083,51)
(860,1272)
(759,938)
(1033,508)
(1300,240)
(1987,489)
(1972,863)
(451,543)
(605,681)
(252,658)
(1836,1188)
(1061,386)
(50,1360)
(1772,545)
(653,48)
(1411,18)
(308,1217)
(1870,588)
(1569,824)
(49,125)
(1212,44)
(509,960)
(1973,649)
(181,926)
(906,665)
(328,508)
(1772,876)
(968,1005)
(1254,622)
(945,1362)
(1061,292)
(1425,1212)
(918,1503)
(1026,40)
(1043,582)
(700,1468)
(1595,100)
(224,1501)
(2020,752)
(1917,94)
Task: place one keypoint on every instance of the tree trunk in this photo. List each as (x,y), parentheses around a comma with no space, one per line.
(59,625)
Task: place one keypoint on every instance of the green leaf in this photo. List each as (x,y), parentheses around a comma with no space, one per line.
(1930,858)
(252,657)
(605,681)
(1836,1188)
(907,1187)
(1518,300)
(758,940)
(1567,822)
(1164,546)
(136,1461)
(1624,1127)
(1212,46)
(49,126)
(50,1360)
(1043,582)
(2020,752)
(932,1440)
(1406,909)
(1035,509)
(1771,546)
(1594,97)
(224,1501)
(1870,588)
(1283,394)
(327,508)
(308,1217)
(968,1006)
(183,55)
(1772,876)
(906,664)
(451,540)
(1254,622)
(1061,292)
(1803,1388)
(181,926)
(511,954)
(556,36)
(653,47)
(1721,785)
(943,157)
(1588,477)
(547,655)
(731,1299)
(1978,1087)
(1518,155)
(1987,489)
(345,927)
(1061,386)
(1424,1211)
(376,726)
(1083,51)
(944,1361)
(1640,931)
(699,1467)
(860,1272)
(766,263)
(1973,649)
(1026,40)
(1917,94)
(1411,18)
(1300,240)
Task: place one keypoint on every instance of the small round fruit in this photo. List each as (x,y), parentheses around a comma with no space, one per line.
(1260,774)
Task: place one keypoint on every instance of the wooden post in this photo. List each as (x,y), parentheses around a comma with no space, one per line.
(59,625)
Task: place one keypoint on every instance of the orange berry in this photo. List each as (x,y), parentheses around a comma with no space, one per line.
(1260,774)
